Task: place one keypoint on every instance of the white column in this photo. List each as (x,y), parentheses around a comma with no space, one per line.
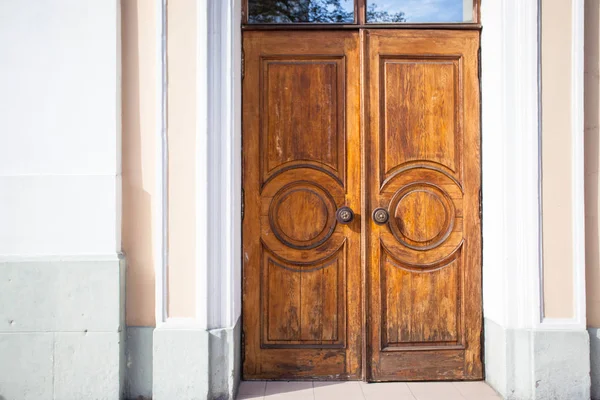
(223,185)
(511,177)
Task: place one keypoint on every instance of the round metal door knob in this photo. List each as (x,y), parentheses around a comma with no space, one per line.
(344,215)
(380,216)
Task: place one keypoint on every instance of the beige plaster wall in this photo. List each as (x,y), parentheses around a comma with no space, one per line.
(139,112)
(592,157)
(140,191)
(181,66)
(556,161)
(138,21)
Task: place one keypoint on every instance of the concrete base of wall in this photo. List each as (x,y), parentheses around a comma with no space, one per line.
(196,364)
(138,379)
(61,329)
(225,361)
(595,361)
(536,364)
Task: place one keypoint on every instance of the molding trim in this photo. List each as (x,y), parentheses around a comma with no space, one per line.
(577,113)
(181,323)
(202,173)
(577,175)
(161,211)
(218,215)
(218,165)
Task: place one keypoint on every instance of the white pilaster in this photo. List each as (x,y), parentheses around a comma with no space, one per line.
(511,173)
(223,212)
(527,356)
(218,165)
(214,332)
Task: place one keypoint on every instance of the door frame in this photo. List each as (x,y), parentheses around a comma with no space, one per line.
(512,266)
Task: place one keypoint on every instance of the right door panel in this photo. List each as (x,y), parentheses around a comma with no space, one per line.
(422,153)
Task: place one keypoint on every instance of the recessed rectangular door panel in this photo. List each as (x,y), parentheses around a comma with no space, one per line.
(302,268)
(424,310)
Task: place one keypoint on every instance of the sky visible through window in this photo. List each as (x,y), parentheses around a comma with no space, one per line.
(342,11)
(422,10)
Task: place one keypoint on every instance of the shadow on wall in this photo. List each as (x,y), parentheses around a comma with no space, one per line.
(139,109)
(592,167)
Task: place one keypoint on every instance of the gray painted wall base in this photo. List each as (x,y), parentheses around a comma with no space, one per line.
(138,379)
(595,361)
(193,364)
(537,365)
(180,364)
(61,329)
(225,361)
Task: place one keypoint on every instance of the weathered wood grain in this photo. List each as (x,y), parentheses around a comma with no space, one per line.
(368,119)
(422,163)
(301,271)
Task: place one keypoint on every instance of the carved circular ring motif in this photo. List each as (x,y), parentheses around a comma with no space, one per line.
(422,216)
(302,215)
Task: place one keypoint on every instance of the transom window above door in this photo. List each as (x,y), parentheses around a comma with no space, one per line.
(359,12)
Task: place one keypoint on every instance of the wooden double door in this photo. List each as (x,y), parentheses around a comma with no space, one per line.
(362,226)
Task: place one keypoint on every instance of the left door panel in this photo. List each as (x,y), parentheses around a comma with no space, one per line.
(301,163)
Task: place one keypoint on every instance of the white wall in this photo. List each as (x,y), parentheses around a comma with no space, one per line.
(60,135)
